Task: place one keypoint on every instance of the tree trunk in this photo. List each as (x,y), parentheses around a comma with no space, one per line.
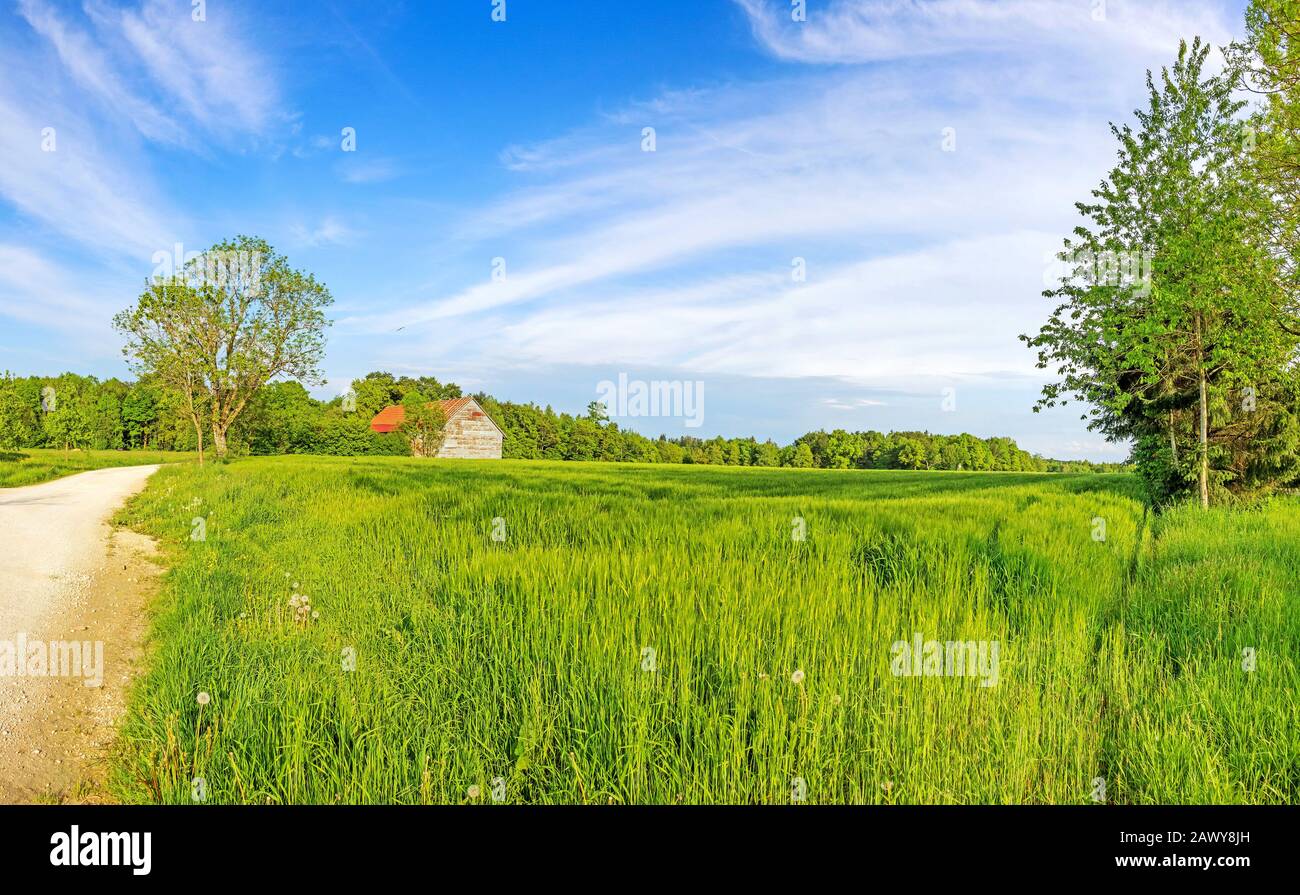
(1205,425)
(195,416)
(198,428)
(1205,448)
(1173,438)
(219,441)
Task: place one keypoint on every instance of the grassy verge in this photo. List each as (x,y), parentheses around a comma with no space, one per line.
(34,465)
(1186,720)
(631,634)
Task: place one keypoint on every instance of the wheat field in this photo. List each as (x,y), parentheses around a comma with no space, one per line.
(394,630)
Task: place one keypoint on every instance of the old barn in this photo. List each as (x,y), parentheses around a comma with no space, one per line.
(469,431)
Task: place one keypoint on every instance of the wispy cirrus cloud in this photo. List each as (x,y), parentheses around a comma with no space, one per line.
(93,69)
(858,31)
(833,168)
(59,171)
(90,92)
(36,290)
(165,71)
(946,312)
(209,68)
(852,403)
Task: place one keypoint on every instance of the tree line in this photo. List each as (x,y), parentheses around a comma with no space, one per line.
(76,412)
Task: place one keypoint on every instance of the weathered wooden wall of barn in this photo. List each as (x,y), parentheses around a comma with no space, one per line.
(471,435)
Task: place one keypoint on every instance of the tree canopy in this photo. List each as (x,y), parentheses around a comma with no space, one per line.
(1176,323)
(237,317)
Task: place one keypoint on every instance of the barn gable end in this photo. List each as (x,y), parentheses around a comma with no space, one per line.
(469,432)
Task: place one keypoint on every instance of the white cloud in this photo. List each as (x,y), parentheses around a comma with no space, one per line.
(209,67)
(907,320)
(91,67)
(852,403)
(835,170)
(84,94)
(80,189)
(162,69)
(331,230)
(38,291)
(104,81)
(855,31)
(370,170)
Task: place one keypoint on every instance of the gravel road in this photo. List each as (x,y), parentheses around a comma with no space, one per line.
(67,577)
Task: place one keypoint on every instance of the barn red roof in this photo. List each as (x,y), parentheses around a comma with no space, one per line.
(392,416)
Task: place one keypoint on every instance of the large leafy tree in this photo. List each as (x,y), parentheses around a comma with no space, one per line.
(236,318)
(1268,61)
(163,333)
(1170,308)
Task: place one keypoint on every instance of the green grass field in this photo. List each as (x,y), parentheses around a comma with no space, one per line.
(642,634)
(34,465)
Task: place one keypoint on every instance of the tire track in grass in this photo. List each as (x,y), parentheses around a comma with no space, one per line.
(1107,719)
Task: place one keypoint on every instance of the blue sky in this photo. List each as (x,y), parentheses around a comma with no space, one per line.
(774,140)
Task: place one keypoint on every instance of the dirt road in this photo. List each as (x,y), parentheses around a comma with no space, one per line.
(72,601)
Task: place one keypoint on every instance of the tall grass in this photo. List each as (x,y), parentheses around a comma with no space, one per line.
(34,465)
(647,634)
